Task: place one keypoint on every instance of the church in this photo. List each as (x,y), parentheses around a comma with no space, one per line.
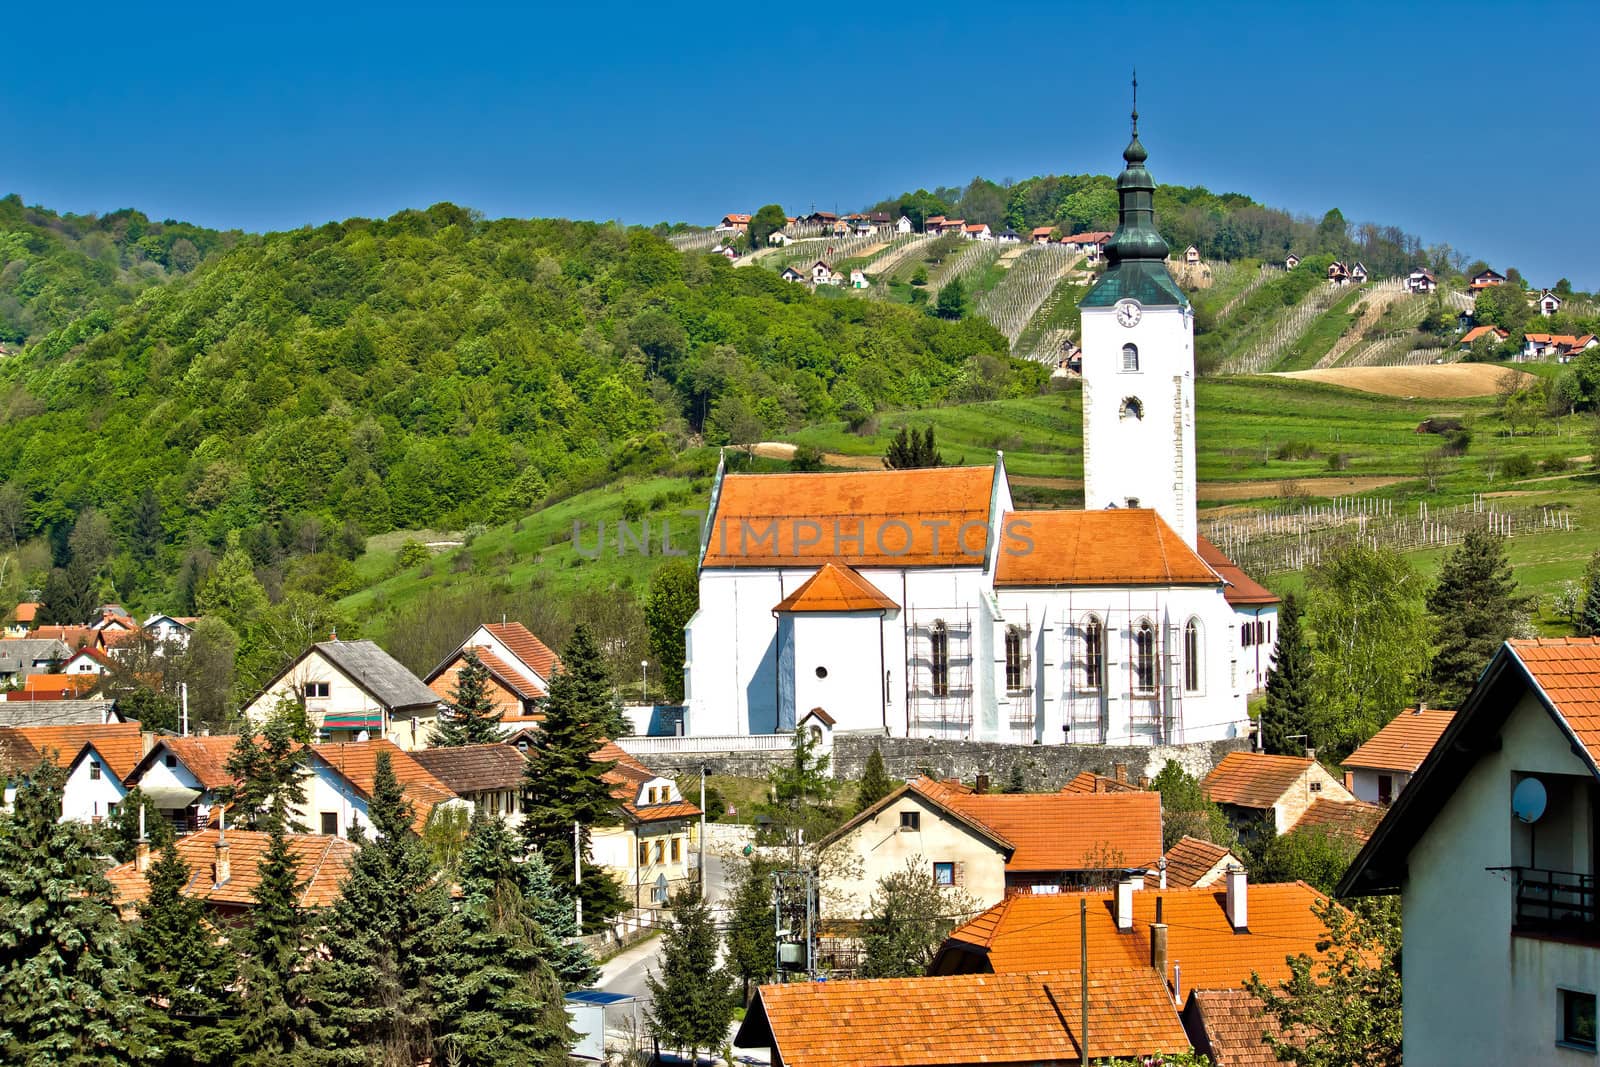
(922,603)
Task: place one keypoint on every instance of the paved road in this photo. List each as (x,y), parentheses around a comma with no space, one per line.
(625,973)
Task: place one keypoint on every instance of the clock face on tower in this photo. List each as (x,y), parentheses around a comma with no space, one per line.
(1129,312)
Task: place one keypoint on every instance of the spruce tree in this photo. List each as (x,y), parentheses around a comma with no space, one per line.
(558,924)
(1589,614)
(469,717)
(1286,716)
(875,783)
(388,943)
(270,772)
(273,1020)
(182,970)
(1474,607)
(65,995)
(692,1004)
(504,1003)
(563,786)
(1016,779)
(752,937)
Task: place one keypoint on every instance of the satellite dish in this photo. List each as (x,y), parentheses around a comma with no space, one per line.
(1528,800)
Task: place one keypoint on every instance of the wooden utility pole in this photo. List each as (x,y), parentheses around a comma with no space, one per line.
(1083,974)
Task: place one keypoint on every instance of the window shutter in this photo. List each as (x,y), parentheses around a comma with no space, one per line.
(960,878)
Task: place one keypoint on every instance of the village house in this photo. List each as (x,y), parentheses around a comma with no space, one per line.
(794,274)
(520,667)
(224,871)
(780,239)
(1548,303)
(1192,864)
(74,637)
(1008,236)
(648,853)
(977,231)
(170,631)
(903,226)
(1090,245)
(1291,261)
(1191,255)
(858,278)
(96,757)
(1562,346)
(1040,235)
(340,782)
(1340,273)
(21,657)
(988,845)
(1492,848)
(186,778)
(76,712)
(1486,279)
(22,618)
(1421,280)
(1022,1019)
(1254,785)
(488,777)
(1378,770)
(733,224)
(1227,1026)
(86,661)
(822,274)
(933,225)
(1494,333)
(1352,820)
(351,691)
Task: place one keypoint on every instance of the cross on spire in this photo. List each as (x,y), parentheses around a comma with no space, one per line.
(1136,101)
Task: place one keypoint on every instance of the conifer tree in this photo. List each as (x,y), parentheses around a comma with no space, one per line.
(691,997)
(1287,712)
(181,969)
(558,924)
(271,774)
(1474,607)
(1016,779)
(388,944)
(1589,613)
(564,787)
(273,1020)
(470,717)
(752,937)
(64,966)
(875,783)
(505,1005)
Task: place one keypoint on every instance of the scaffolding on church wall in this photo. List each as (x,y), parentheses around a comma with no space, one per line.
(933,710)
(1153,713)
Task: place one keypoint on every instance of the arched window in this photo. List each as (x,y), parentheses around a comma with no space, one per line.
(1191,657)
(1130,357)
(1016,660)
(1132,408)
(939,658)
(1094,654)
(1144,657)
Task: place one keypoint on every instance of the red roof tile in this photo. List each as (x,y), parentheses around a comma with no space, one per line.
(357,761)
(626,778)
(1567,669)
(206,757)
(1090,782)
(1233,1022)
(1241,588)
(320,862)
(534,653)
(1115,546)
(836,588)
(1069,831)
(119,743)
(1404,742)
(1254,779)
(1351,819)
(27,611)
(1192,862)
(966,1019)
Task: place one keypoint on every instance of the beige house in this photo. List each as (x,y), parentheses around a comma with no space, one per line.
(648,853)
(353,691)
(1250,784)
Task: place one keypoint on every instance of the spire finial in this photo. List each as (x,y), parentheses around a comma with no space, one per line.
(1136,101)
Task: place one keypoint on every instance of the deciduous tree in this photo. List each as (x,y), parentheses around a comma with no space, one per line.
(911,916)
(674,598)
(1185,811)
(232,591)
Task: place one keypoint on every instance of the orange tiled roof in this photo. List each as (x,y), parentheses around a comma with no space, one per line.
(1254,779)
(17,754)
(65,685)
(1483,331)
(1090,782)
(61,744)
(836,588)
(533,653)
(74,637)
(626,778)
(1030,933)
(1189,862)
(509,689)
(205,756)
(1115,546)
(1404,742)
(1041,231)
(27,611)
(357,761)
(966,1019)
(320,861)
(1568,670)
(1069,831)
(1241,588)
(1233,1022)
(904,518)
(1354,819)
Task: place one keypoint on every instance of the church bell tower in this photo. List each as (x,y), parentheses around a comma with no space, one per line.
(1138,365)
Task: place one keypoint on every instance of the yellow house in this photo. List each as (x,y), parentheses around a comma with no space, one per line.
(648,854)
(353,691)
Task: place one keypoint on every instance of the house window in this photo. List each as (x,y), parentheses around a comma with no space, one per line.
(658,894)
(1385,788)
(1132,408)
(94,771)
(944,874)
(1577,1020)
(939,658)
(1144,657)
(677,849)
(1316,787)
(330,823)
(1016,667)
(644,853)
(172,761)
(1130,357)
(1094,653)
(316,689)
(1191,656)
(911,820)
(660,851)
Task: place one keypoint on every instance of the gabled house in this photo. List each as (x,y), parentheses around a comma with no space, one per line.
(113,619)
(520,667)
(18,758)
(733,223)
(793,274)
(22,618)
(1352,820)
(977,231)
(989,845)
(1486,279)
(1192,863)
(339,787)
(1493,850)
(1008,236)
(1494,333)
(170,631)
(1421,280)
(903,225)
(96,758)
(1548,303)
(1381,767)
(858,278)
(1341,273)
(1040,235)
(648,854)
(822,274)
(1191,255)
(1022,1019)
(185,777)
(74,637)
(1563,346)
(1091,244)
(779,239)
(24,656)
(1254,785)
(86,661)
(1291,261)
(1090,782)
(489,777)
(353,690)
(224,870)
(85,712)
(1358,273)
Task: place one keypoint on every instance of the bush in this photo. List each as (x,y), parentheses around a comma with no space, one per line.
(1456,442)
(1556,464)
(1517,466)
(1338,461)
(632,509)
(412,554)
(806,458)
(1295,450)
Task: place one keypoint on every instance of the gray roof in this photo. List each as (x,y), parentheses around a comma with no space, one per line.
(57,712)
(21,653)
(379,673)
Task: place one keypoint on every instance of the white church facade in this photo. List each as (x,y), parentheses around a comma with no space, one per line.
(922,603)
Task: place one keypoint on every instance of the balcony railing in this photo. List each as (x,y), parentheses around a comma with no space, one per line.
(1561,902)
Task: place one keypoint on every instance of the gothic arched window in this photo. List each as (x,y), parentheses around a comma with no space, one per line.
(1144,657)
(1016,660)
(939,658)
(1132,408)
(1191,656)
(1094,653)
(1130,357)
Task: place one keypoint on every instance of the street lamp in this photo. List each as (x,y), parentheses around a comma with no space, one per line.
(644,680)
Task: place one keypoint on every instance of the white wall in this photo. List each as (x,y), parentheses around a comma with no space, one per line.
(1474,993)
(1151,458)
(1364,784)
(159,775)
(344,697)
(850,648)
(329,792)
(89,799)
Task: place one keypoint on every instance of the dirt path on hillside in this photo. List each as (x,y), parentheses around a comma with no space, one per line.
(1373,305)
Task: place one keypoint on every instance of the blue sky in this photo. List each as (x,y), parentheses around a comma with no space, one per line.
(270,117)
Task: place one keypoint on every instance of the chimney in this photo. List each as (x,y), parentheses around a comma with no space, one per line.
(141,857)
(1125,904)
(1161,866)
(1311,752)
(1158,942)
(1350,781)
(1144,781)
(1422,706)
(219,866)
(1119,771)
(981,786)
(1238,899)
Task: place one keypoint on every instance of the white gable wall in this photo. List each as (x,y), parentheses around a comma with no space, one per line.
(87,798)
(344,696)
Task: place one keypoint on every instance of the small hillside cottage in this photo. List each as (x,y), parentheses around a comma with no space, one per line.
(779,239)
(1040,235)
(1191,255)
(822,274)
(1421,281)
(977,231)
(353,690)
(1291,261)
(648,852)
(1008,236)
(1252,784)
(341,779)
(903,225)
(1486,279)
(1548,303)
(858,278)
(186,778)
(520,667)
(1383,766)
(1492,848)
(793,274)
